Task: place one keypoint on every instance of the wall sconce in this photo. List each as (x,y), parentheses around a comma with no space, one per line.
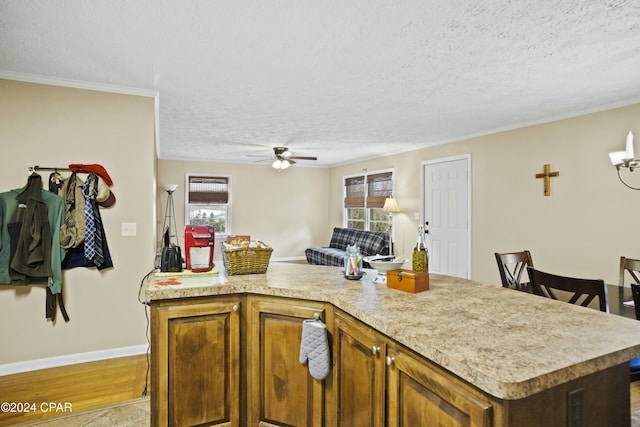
(625,159)
(391,206)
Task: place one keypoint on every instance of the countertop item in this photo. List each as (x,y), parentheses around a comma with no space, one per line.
(508,343)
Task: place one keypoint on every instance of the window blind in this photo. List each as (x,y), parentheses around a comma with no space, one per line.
(354,192)
(379,186)
(208,189)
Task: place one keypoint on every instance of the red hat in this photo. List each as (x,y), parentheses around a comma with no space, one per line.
(93,168)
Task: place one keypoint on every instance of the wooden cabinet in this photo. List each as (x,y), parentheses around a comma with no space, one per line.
(419,392)
(281,390)
(377,382)
(234,360)
(195,362)
(212,365)
(358,374)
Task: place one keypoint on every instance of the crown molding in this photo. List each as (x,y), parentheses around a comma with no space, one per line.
(76,84)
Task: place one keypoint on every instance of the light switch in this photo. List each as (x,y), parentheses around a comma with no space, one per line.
(128,229)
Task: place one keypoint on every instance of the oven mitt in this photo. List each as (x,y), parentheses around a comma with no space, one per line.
(314,348)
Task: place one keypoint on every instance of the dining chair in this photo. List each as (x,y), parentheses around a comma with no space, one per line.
(631,266)
(582,291)
(634,364)
(511,265)
(635,291)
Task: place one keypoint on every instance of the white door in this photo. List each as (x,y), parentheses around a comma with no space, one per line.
(445,213)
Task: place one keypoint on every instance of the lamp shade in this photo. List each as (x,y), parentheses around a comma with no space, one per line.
(390,205)
(629,155)
(617,157)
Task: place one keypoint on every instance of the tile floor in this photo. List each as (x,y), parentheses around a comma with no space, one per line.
(133,413)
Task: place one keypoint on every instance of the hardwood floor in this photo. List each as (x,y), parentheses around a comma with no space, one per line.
(107,393)
(70,389)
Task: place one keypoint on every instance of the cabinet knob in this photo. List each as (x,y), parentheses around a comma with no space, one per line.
(375,350)
(390,360)
(235,307)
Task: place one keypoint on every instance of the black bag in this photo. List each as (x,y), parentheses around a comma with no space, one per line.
(171,260)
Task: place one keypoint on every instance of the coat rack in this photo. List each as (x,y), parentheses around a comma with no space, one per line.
(46,168)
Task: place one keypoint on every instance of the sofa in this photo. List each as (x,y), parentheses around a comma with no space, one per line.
(369,242)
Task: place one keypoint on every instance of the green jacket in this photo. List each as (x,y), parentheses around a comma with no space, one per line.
(55,215)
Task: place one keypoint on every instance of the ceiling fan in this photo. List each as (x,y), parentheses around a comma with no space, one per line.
(283,158)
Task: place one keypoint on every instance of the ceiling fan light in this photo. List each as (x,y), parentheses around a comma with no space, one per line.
(280,164)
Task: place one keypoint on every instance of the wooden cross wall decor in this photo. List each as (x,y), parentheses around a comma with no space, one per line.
(547,175)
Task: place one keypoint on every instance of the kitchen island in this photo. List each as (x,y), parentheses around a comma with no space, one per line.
(475,354)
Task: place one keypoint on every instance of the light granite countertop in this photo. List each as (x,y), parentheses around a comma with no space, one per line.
(508,343)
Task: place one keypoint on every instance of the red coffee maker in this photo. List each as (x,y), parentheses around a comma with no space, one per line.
(199,242)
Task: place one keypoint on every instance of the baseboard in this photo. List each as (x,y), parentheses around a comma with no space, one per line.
(71,359)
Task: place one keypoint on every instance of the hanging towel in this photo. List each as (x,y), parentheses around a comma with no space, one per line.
(314,348)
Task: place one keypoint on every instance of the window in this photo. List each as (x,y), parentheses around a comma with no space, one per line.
(208,201)
(354,202)
(364,197)
(379,187)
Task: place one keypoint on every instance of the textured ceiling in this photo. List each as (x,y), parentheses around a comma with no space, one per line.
(340,80)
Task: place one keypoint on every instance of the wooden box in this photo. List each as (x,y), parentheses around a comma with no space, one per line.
(408,280)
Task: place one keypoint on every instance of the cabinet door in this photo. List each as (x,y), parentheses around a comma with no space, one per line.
(418,394)
(196,364)
(359,373)
(281,390)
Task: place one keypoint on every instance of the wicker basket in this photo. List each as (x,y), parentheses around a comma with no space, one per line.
(245,259)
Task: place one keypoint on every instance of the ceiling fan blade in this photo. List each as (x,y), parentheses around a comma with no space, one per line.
(303,158)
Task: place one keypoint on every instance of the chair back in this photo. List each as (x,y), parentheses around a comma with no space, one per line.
(635,363)
(511,266)
(635,291)
(631,266)
(581,291)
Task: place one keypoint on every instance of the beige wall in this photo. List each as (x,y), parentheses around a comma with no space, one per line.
(55,126)
(286,210)
(582,229)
